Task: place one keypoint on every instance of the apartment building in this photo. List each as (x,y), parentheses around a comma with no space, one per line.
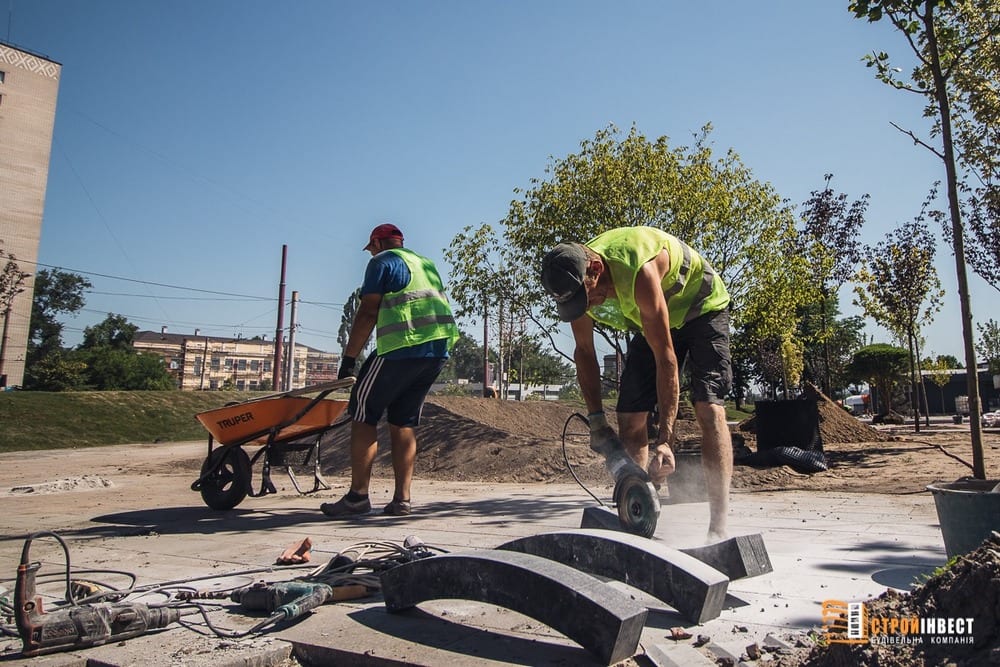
(29,85)
(245,364)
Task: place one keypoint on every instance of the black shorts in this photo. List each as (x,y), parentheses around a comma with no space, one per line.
(395,386)
(702,343)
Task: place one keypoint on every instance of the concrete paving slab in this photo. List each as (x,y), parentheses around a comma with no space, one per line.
(821,545)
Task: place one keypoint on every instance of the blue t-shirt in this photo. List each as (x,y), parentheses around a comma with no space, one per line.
(387,272)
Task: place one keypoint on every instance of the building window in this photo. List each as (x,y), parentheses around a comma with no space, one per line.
(243,364)
(213,384)
(216,362)
(253,385)
(255,365)
(2,75)
(241,385)
(229,363)
(267,365)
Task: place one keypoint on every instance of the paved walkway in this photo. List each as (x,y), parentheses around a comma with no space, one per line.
(822,546)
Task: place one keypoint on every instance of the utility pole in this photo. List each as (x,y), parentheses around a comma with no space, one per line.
(290,367)
(279,331)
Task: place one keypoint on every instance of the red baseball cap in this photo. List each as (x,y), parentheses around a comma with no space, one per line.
(384,231)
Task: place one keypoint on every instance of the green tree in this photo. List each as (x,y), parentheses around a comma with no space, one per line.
(947,361)
(988,345)
(955,44)
(882,366)
(112,364)
(830,243)
(899,287)
(347,319)
(11,284)
(115,369)
(829,341)
(714,203)
(487,285)
(532,364)
(465,360)
(60,370)
(939,372)
(56,293)
(114,332)
(351,307)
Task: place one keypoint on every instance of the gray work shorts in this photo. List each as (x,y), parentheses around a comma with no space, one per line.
(702,343)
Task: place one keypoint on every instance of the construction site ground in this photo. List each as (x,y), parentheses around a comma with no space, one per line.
(488,472)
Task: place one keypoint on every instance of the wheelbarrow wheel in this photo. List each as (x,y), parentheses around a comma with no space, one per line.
(229,482)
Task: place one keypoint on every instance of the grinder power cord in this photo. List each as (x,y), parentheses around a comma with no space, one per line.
(635,497)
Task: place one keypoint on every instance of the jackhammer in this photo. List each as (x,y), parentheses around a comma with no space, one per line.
(77,626)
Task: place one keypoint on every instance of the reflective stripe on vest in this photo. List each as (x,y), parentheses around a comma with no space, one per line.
(417,314)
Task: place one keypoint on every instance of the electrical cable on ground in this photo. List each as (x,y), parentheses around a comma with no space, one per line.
(569,466)
(358,565)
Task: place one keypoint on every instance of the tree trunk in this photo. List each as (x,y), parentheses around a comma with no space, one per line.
(958,242)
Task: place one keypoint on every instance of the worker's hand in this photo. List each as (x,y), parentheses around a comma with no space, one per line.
(603,438)
(661,463)
(347,368)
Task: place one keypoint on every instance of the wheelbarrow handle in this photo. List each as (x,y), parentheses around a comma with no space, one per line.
(311,389)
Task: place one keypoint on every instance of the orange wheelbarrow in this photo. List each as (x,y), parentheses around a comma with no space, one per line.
(287,426)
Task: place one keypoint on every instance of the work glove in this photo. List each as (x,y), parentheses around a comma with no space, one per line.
(347,365)
(606,442)
(603,438)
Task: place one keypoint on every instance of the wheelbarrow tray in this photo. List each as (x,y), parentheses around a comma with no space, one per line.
(253,421)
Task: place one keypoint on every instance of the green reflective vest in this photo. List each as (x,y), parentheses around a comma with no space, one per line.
(418,313)
(691,286)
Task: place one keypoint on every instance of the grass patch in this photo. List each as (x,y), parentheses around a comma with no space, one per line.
(34,420)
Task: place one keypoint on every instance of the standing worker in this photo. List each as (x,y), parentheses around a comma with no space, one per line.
(647,281)
(403,300)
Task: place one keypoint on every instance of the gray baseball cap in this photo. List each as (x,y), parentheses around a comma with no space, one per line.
(563,271)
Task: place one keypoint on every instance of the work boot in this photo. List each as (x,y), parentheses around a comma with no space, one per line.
(345,507)
(397,508)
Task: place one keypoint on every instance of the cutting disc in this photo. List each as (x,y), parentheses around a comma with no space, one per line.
(638,505)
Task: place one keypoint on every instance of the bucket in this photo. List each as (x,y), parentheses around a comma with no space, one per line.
(968,512)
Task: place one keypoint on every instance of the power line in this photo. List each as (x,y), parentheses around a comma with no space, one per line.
(175,298)
(149,282)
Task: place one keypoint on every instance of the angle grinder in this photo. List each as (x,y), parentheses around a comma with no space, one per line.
(635,497)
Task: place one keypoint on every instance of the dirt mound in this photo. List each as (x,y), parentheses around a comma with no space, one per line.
(970,588)
(489,440)
(836,425)
(482,439)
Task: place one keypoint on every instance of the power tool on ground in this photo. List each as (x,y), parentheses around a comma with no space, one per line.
(77,626)
(635,496)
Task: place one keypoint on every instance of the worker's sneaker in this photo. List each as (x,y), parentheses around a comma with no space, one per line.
(345,507)
(397,508)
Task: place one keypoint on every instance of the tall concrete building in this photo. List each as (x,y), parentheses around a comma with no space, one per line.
(29,85)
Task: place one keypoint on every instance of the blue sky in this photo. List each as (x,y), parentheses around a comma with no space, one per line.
(193,139)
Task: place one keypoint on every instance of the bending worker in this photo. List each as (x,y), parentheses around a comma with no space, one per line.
(403,300)
(645,280)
